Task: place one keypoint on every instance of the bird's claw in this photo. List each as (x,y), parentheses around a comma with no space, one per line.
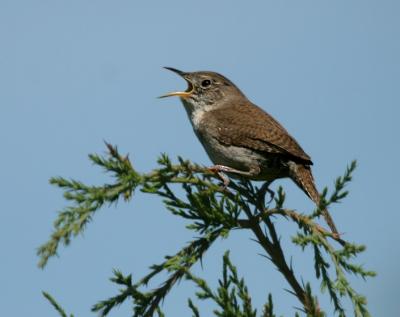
(225,179)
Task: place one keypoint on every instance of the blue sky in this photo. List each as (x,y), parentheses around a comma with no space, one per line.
(75,73)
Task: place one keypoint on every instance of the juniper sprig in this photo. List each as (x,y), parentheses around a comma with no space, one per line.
(213,212)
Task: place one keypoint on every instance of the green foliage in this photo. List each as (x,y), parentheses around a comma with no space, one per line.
(232,295)
(212,211)
(87,200)
(56,306)
(145,304)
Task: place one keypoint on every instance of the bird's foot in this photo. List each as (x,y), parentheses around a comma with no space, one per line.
(219,170)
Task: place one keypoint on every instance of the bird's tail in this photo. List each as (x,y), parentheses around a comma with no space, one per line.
(305,180)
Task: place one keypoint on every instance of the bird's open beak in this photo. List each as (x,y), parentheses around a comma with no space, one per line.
(182,94)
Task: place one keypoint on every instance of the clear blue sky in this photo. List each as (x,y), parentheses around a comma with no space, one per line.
(75,73)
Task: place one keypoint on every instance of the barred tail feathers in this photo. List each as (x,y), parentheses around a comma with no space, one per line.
(303,177)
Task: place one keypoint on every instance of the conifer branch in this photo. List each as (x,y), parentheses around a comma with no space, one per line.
(232,296)
(177,266)
(56,305)
(212,212)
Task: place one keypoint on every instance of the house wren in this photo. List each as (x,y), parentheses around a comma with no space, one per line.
(240,138)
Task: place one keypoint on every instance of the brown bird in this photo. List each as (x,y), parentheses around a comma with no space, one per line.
(241,138)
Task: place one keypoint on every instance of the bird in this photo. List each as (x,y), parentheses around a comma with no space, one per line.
(240,138)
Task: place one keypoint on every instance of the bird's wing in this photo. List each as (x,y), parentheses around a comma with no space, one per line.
(249,126)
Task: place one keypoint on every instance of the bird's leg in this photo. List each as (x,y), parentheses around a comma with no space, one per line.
(221,169)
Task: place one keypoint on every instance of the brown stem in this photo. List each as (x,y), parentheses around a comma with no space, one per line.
(277,257)
(265,213)
(273,248)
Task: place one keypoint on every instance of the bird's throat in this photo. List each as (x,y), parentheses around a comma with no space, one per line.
(195,112)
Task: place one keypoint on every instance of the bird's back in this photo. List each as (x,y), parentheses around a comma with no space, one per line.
(247,125)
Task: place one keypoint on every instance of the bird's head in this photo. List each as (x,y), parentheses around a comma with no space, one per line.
(205,89)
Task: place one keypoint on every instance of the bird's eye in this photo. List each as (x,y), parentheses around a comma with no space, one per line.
(205,83)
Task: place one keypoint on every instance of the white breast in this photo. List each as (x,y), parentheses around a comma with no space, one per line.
(195,114)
